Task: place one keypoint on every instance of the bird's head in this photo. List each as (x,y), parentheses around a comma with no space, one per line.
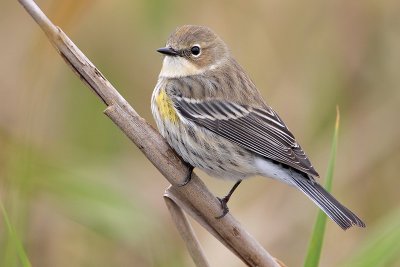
(192,50)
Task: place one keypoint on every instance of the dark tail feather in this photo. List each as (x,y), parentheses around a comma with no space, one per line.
(336,211)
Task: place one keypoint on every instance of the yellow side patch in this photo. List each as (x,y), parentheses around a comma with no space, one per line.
(166,108)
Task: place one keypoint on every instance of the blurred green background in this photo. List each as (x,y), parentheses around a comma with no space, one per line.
(80,194)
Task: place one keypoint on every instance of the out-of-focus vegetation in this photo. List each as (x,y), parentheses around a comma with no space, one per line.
(14,239)
(78,193)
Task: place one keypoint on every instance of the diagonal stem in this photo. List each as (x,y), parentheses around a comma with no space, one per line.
(186,231)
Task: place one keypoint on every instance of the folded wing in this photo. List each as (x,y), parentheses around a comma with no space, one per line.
(259,130)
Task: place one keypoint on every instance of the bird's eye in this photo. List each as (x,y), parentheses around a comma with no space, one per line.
(195,50)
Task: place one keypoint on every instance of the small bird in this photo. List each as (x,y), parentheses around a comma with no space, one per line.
(213,116)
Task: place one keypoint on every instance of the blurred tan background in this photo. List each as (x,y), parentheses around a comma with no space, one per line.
(80,194)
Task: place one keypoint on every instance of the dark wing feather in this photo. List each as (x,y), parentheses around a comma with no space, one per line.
(259,130)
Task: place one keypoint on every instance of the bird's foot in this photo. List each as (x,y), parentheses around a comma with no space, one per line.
(224,206)
(188,177)
(225,199)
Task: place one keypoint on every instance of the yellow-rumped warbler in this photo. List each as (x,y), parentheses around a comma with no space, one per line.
(214,117)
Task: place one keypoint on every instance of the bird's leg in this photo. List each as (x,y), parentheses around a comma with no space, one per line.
(225,199)
(188,177)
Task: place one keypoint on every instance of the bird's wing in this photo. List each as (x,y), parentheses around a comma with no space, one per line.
(259,130)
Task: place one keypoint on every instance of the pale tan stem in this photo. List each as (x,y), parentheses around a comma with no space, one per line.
(186,231)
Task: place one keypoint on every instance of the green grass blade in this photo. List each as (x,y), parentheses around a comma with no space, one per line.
(317,238)
(14,238)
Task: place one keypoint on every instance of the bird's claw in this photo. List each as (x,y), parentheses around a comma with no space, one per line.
(188,177)
(224,207)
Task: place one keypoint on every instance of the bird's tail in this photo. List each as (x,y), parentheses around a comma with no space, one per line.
(336,211)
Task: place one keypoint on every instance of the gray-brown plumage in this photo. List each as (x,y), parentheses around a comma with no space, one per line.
(212,114)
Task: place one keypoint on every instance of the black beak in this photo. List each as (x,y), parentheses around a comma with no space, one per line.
(169,51)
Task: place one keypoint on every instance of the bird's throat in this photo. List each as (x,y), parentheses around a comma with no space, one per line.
(174,67)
